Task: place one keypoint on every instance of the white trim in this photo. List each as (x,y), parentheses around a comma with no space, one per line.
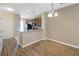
(25,45)
(74,46)
(44,38)
(18,41)
(31,43)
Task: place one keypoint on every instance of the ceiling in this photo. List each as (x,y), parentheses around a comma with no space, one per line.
(31,10)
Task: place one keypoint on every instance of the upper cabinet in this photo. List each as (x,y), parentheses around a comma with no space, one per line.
(32,24)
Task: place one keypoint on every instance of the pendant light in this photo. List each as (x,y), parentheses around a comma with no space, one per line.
(50,14)
(53,12)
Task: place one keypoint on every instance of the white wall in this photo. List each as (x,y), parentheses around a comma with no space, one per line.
(8,23)
(65,27)
(31,36)
(44,25)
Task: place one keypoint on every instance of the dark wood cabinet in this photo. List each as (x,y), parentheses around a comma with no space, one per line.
(38,21)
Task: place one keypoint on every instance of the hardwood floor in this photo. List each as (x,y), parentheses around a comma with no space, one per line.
(41,48)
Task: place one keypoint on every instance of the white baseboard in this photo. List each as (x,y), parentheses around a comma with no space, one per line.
(18,41)
(31,43)
(46,39)
(25,45)
(64,43)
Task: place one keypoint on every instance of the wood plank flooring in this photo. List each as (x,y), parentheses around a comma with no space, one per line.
(41,48)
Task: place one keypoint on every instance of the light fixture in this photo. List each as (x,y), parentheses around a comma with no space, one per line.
(50,15)
(56,14)
(9,9)
(53,12)
(27,10)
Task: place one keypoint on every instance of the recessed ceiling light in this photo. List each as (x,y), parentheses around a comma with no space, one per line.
(28,10)
(9,9)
